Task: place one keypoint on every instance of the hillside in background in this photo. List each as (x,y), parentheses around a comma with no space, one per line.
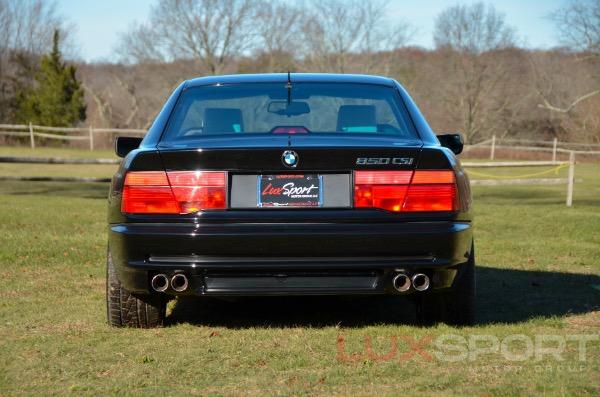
(508,99)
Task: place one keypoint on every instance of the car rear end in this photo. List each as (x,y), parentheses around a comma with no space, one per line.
(247,190)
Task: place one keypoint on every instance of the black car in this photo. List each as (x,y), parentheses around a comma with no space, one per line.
(279,184)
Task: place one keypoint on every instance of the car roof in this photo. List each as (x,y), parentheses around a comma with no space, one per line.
(295,78)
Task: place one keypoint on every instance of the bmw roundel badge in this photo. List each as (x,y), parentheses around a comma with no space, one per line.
(290,158)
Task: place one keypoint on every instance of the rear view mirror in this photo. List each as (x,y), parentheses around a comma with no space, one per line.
(283,108)
(125,144)
(453,142)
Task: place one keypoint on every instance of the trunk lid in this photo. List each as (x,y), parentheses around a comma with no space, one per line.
(263,154)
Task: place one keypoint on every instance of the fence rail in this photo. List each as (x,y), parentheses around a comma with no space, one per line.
(53,179)
(511,164)
(528,179)
(55,160)
(555,146)
(40,131)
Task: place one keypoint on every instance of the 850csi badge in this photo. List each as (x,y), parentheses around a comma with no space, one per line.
(384,160)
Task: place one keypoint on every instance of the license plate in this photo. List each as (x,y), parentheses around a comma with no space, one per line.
(293,190)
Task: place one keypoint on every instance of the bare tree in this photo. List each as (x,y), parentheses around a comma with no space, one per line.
(26,31)
(130,96)
(28,25)
(570,91)
(578,25)
(337,29)
(472,38)
(210,31)
(140,44)
(332,31)
(383,37)
(472,29)
(556,78)
(279,33)
(99,114)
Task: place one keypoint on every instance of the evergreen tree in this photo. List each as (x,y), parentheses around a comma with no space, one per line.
(56,98)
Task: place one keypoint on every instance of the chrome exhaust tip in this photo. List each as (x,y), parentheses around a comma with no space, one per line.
(179,282)
(159,283)
(420,282)
(401,282)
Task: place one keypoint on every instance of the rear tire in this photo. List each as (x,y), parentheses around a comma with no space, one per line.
(127,310)
(455,307)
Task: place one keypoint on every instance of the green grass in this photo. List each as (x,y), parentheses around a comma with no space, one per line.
(538,275)
(56,170)
(56,152)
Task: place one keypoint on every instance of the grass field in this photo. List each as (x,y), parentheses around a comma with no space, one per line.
(55,152)
(538,276)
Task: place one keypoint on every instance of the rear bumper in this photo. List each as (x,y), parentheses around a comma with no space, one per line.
(288,258)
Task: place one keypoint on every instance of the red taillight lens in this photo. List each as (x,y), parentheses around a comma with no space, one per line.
(198,178)
(381,189)
(148,192)
(405,191)
(425,177)
(382,177)
(386,197)
(176,192)
(149,200)
(430,198)
(199,190)
(431,191)
(146,178)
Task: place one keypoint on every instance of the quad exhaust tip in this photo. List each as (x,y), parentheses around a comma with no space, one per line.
(420,282)
(160,283)
(179,282)
(401,282)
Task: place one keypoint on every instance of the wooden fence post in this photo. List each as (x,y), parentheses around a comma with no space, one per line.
(91,138)
(493,148)
(554,144)
(31,136)
(571,179)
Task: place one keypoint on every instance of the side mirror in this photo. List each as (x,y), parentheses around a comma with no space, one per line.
(453,142)
(125,144)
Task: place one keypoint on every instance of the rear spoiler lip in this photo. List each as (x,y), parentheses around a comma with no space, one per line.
(269,141)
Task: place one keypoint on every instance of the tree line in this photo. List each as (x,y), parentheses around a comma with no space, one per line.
(478,79)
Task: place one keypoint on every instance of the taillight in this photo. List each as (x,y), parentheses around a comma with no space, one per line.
(381,189)
(174,192)
(199,190)
(431,191)
(406,191)
(148,192)
(382,177)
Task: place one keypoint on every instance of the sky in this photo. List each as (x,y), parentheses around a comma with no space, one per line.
(99,22)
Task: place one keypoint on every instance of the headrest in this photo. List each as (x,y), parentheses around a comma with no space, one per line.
(356,118)
(222,120)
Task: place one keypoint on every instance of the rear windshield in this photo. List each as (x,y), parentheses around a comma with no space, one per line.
(300,108)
